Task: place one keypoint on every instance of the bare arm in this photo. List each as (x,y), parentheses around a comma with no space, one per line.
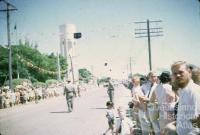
(196,121)
(153,97)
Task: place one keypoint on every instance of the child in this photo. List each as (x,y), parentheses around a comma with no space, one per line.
(124,125)
(110,116)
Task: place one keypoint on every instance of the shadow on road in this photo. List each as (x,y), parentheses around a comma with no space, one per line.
(61,112)
(99,108)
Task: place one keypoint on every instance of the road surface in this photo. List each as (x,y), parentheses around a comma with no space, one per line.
(50,117)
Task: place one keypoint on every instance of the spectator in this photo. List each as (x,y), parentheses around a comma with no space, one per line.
(189,99)
(110,116)
(166,99)
(124,125)
(196,75)
(152,108)
(136,91)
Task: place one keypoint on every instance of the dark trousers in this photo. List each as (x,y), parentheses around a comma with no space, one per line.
(111,95)
(70,104)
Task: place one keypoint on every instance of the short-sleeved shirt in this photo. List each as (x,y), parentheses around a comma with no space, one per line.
(69,90)
(110,114)
(148,88)
(188,108)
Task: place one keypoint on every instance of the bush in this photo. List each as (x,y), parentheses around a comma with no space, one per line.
(51,81)
(39,84)
(16,82)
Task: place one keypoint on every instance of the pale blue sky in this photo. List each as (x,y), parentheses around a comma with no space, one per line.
(108,31)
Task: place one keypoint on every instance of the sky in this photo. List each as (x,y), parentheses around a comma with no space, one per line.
(108,28)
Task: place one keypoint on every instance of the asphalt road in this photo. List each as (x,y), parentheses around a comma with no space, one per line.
(50,117)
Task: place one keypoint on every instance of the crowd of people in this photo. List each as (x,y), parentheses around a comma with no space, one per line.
(26,93)
(165,104)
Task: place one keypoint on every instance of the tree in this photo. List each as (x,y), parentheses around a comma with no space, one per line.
(30,64)
(85,75)
(3,64)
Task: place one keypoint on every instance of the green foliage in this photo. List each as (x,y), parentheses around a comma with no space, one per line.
(16,82)
(102,80)
(39,84)
(3,64)
(51,81)
(85,75)
(22,54)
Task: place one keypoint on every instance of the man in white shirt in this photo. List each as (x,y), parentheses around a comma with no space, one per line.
(136,92)
(152,107)
(189,99)
(148,88)
(136,85)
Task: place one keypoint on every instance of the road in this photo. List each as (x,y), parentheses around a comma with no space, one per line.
(50,117)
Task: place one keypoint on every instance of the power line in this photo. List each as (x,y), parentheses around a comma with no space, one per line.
(149,32)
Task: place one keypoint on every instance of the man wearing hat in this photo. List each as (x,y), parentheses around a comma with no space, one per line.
(69,92)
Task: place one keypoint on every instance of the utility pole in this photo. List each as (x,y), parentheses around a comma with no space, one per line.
(76,36)
(72,68)
(9,7)
(17,44)
(131,67)
(127,70)
(199,7)
(149,32)
(58,66)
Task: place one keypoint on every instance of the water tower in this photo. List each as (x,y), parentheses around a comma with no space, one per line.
(67,49)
